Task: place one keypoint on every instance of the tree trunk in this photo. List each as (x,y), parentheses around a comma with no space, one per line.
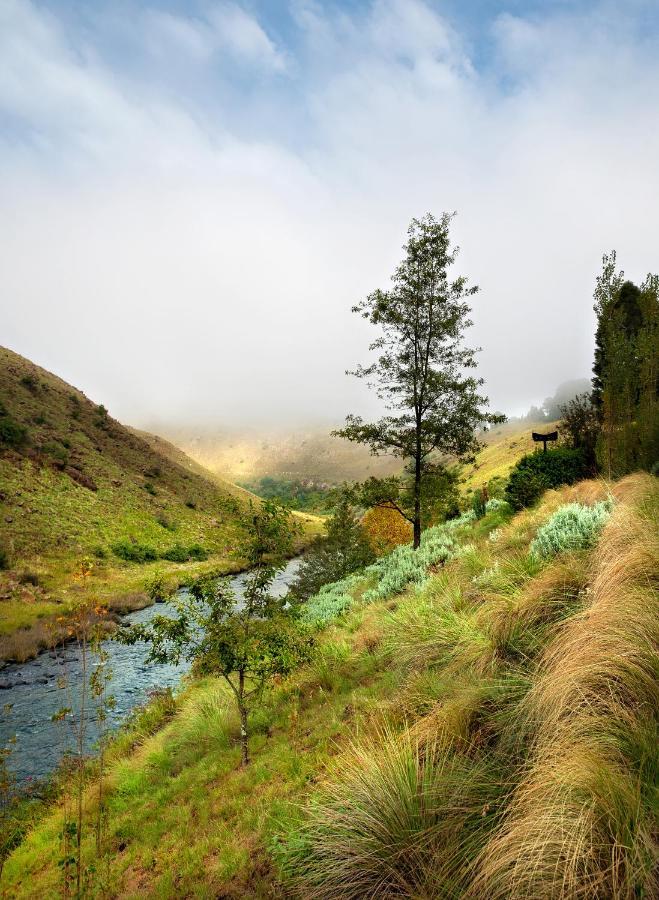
(244,745)
(417,502)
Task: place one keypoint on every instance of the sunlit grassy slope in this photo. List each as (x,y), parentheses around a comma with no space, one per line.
(296,454)
(504,445)
(83,482)
(315,455)
(488,732)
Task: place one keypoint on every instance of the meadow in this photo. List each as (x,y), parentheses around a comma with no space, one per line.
(483,725)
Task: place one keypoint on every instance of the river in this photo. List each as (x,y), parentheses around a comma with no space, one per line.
(35,692)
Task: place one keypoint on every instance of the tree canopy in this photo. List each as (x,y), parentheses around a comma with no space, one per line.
(423,371)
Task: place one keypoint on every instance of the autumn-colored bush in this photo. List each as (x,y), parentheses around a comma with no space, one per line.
(386,529)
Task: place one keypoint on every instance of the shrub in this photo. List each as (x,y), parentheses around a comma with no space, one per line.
(190,504)
(75,406)
(537,472)
(572,527)
(4,557)
(101,417)
(28,577)
(133,551)
(393,573)
(405,565)
(57,453)
(330,601)
(479,504)
(31,382)
(386,529)
(495,503)
(157,587)
(343,550)
(12,433)
(179,553)
(149,488)
(524,488)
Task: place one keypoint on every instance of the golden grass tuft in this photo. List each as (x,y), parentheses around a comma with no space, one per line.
(401,820)
(579,824)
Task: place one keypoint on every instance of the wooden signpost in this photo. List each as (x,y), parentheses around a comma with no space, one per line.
(552,436)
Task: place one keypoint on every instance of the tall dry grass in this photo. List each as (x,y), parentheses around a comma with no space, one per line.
(580,824)
(528,752)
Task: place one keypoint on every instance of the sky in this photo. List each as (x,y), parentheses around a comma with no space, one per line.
(193,194)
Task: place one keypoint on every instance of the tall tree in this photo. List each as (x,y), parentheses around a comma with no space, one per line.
(625,380)
(421,369)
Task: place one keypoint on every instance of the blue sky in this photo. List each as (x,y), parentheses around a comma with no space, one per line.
(192,195)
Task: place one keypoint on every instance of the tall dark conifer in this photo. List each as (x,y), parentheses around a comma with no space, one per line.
(625,380)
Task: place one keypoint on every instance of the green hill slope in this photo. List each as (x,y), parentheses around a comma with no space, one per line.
(503,446)
(75,483)
(478,722)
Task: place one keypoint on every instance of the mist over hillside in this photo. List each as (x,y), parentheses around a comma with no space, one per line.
(245,454)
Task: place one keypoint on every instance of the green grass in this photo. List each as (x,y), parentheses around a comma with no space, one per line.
(488,733)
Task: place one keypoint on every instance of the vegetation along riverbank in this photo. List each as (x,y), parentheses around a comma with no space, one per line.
(76,485)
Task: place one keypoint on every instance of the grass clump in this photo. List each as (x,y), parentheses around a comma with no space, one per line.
(581,821)
(574,526)
(401,820)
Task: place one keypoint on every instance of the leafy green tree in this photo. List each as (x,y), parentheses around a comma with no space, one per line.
(580,428)
(342,550)
(420,370)
(247,643)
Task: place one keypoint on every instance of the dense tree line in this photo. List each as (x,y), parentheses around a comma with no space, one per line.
(625,392)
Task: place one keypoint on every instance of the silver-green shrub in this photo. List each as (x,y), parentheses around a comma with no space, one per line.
(392,573)
(406,566)
(574,526)
(330,601)
(496,503)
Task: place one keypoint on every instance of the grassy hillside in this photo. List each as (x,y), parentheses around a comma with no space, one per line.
(318,457)
(312,455)
(504,445)
(75,483)
(479,721)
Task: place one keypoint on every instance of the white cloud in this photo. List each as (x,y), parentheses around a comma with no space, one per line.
(225,29)
(176,260)
(243,35)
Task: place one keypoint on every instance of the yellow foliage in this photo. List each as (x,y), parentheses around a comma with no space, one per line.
(386,529)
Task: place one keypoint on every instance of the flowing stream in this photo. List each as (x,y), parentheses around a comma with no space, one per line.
(33,691)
